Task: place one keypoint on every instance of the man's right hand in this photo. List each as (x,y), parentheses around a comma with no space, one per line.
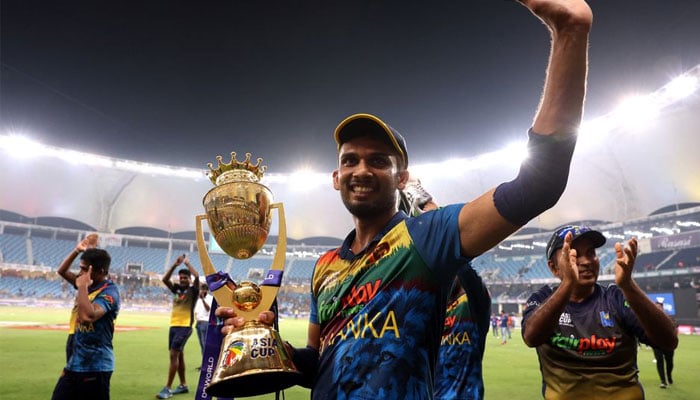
(567,261)
(180,259)
(232,320)
(90,242)
(560,15)
(84,279)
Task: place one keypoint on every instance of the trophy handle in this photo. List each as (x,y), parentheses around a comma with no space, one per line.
(223,295)
(269,293)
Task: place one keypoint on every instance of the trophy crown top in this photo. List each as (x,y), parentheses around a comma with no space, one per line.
(235,165)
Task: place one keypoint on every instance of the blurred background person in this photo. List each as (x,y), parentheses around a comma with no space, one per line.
(201,314)
(664,358)
(185,294)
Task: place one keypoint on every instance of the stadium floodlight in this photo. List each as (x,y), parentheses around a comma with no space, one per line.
(156,169)
(306,180)
(610,235)
(687,224)
(682,87)
(634,112)
(514,246)
(20,146)
(664,231)
(79,158)
(511,155)
(640,110)
(639,234)
(592,131)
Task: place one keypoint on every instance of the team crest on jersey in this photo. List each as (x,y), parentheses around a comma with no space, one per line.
(605,319)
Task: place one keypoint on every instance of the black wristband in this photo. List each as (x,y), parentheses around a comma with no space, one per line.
(541,180)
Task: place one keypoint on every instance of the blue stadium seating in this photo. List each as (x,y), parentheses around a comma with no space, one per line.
(14,249)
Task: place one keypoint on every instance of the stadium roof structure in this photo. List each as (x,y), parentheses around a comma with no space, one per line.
(627,165)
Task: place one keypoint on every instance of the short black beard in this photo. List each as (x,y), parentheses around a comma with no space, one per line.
(367,210)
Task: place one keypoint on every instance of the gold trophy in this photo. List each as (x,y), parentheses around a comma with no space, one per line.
(253,359)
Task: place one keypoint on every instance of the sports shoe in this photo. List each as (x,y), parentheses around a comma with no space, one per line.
(164,394)
(181,389)
(663,385)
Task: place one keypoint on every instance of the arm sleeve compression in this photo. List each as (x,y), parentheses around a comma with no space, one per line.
(541,180)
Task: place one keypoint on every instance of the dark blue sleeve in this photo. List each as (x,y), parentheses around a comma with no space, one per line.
(479,301)
(108,299)
(622,308)
(541,180)
(313,314)
(436,237)
(478,295)
(534,302)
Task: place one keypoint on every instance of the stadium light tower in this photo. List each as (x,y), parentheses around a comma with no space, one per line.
(637,109)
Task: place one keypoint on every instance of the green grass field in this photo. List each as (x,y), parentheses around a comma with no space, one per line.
(32,360)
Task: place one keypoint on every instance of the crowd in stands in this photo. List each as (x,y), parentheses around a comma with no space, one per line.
(29,256)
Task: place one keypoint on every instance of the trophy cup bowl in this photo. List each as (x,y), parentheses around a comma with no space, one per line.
(253,359)
(239,216)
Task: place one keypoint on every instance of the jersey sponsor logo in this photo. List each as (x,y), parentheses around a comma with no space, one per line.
(351,303)
(592,346)
(361,294)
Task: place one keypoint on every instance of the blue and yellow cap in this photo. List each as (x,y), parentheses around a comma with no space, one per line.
(368,124)
(557,239)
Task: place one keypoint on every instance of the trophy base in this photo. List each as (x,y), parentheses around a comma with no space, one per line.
(253,360)
(253,383)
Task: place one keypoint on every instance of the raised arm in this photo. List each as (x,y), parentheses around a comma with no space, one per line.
(87,311)
(169,273)
(542,179)
(193,272)
(90,241)
(561,106)
(658,326)
(64,268)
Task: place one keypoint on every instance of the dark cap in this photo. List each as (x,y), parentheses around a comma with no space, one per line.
(369,125)
(557,239)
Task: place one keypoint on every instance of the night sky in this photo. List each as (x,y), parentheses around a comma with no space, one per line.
(179,82)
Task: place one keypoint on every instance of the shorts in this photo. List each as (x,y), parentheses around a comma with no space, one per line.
(82,386)
(178,337)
